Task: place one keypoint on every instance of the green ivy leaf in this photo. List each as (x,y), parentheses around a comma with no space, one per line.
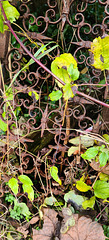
(73,72)
(13,184)
(90,153)
(55,95)
(89,203)
(25,180)
(103,157)
(101,189)
(83,187)
(54,174)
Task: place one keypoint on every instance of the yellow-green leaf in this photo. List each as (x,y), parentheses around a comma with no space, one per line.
(83,187)
(104,177)
(55,95)
(73,72)
(60,67)
(72,150)
(25,180)
(89,203)
(13,184)
(100,50)
(11,13)
(54,174)
(29,190)
(106,137)
(3,125)
(68,93)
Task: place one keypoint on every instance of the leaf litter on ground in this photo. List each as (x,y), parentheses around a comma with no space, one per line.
(72,227)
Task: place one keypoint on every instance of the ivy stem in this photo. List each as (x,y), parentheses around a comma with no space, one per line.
(42,65)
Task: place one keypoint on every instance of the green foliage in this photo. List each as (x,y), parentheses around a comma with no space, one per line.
(73,72)
(39,54)
(101,189)
(67,90)
(8,95)
(3,125)
(106,137)
(106,230)
(54,174)
(11,13)
(89,203)
(70,221)
(61,65)
(55,95)
(19,211)
(13,184)
(90,153)
(65,67)
(25,180)
(9,198)
(26,184)
(84,140)
(101,152)
(104,177)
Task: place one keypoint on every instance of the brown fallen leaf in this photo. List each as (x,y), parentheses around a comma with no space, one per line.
(84,229)
(32,221)
(50,221)
(73,227)
(96,166)
(23,231)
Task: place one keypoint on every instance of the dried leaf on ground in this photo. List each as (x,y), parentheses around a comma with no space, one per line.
(96,166)
(49,225)
(73,227)
(84,229)
(23,231)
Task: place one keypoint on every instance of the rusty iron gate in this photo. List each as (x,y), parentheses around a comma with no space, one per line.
(37,131)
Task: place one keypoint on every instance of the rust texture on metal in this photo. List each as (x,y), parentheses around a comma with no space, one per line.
(41,116)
